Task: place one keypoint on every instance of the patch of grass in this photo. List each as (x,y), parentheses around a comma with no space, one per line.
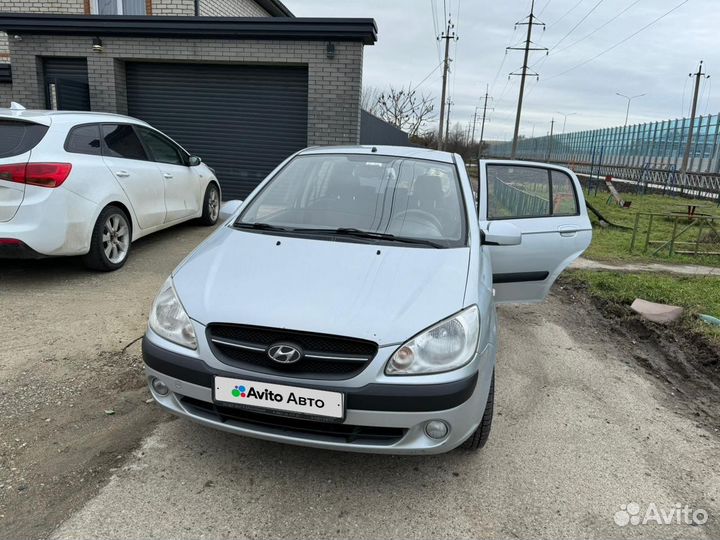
(613,244)
(697,294)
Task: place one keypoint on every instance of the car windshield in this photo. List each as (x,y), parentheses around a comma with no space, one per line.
(380,197)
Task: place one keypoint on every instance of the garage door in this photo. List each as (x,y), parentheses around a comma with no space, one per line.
(241,120)
(66,84)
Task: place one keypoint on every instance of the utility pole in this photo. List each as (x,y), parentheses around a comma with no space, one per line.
(448,36)
(699,75)
(550,140)
(474,124)
(447,119)
(527,47)
(485,109)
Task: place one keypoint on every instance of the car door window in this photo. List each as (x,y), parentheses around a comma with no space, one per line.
(120,140)
(563,195)
(84,140)
(518,191)
(161,149)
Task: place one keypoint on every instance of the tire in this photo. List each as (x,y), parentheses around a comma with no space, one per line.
(478,439)
(110,241)
(211,205)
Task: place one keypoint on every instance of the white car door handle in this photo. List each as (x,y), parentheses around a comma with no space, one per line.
(122,174)
(167,175)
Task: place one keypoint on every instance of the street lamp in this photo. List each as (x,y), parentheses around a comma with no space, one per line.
(565,115)
(629,99)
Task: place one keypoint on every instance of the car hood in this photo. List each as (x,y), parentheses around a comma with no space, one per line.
(377,292)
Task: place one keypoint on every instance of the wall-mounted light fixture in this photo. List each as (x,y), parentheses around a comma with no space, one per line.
(17,37)
(330,50)
(97,45)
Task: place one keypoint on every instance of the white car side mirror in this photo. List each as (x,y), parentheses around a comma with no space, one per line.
(501,233)
(229,209)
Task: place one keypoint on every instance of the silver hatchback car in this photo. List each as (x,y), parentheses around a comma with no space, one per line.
(349,302)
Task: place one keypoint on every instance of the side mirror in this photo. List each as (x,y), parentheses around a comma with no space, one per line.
(229,209)
(500,233)
(194,161)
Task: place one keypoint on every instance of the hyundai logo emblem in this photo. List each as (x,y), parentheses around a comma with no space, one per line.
(283,353)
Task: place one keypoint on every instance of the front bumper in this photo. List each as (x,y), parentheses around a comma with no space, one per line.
(380,418)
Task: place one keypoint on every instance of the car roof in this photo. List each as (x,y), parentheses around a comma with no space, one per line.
(380,150)
(47,117)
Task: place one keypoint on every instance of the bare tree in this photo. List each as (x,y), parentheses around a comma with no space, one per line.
(370,97)
(406,109)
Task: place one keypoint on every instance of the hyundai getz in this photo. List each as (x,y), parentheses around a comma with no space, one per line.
(349,302)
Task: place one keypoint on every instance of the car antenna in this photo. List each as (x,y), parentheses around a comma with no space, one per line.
(16,106)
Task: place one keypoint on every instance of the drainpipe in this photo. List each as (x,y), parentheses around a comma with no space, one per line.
(197,8)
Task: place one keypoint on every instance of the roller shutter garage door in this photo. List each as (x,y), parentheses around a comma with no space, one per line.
(241,120)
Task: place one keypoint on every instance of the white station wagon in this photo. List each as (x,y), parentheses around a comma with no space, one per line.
(89,184)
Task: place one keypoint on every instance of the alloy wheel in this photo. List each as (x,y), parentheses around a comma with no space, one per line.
(116,238)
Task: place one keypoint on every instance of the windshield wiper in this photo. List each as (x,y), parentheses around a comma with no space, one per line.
(260,226)
(359,233)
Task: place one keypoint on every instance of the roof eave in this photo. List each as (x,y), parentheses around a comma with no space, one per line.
(283,28)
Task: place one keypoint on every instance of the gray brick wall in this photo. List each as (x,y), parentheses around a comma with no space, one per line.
(26,6)
(231,8)
(334,86)
(5,94)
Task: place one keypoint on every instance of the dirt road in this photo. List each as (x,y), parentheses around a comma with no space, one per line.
(582,427)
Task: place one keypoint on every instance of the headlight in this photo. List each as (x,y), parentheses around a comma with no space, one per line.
(448,345)
(169,320)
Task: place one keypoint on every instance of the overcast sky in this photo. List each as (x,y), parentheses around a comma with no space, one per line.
(656,61)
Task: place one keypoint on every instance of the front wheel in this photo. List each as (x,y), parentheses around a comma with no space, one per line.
(480,436)
(211,205)
(110,241)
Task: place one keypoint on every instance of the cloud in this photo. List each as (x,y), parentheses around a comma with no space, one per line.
(656,61)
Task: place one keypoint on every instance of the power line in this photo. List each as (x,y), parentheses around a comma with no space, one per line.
(578,23)
(598,28)
(497,75)
(568,12)
(616,45)
(682,107)
(428,76)
(436,28)
(707,100)
(544,8)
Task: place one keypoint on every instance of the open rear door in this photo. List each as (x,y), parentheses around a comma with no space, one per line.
(546,204)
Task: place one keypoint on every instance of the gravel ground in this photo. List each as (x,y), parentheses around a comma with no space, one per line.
(72,394)
(582,427)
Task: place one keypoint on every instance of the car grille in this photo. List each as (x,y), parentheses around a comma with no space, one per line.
(296,427)
(325,356)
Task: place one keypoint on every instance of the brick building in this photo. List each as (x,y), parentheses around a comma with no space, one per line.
(241,83)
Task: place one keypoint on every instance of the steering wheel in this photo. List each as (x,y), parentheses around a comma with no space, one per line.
(421,218)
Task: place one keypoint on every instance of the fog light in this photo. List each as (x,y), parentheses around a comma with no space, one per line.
(159,386)
(436,429)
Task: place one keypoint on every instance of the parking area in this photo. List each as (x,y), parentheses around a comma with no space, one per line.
(579,431)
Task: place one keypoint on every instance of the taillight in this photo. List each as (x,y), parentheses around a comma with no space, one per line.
(49,175)
(10,242)
(13,173)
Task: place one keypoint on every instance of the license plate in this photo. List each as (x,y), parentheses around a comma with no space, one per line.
(277,397)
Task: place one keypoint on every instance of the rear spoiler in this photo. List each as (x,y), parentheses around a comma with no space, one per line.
(18,112)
